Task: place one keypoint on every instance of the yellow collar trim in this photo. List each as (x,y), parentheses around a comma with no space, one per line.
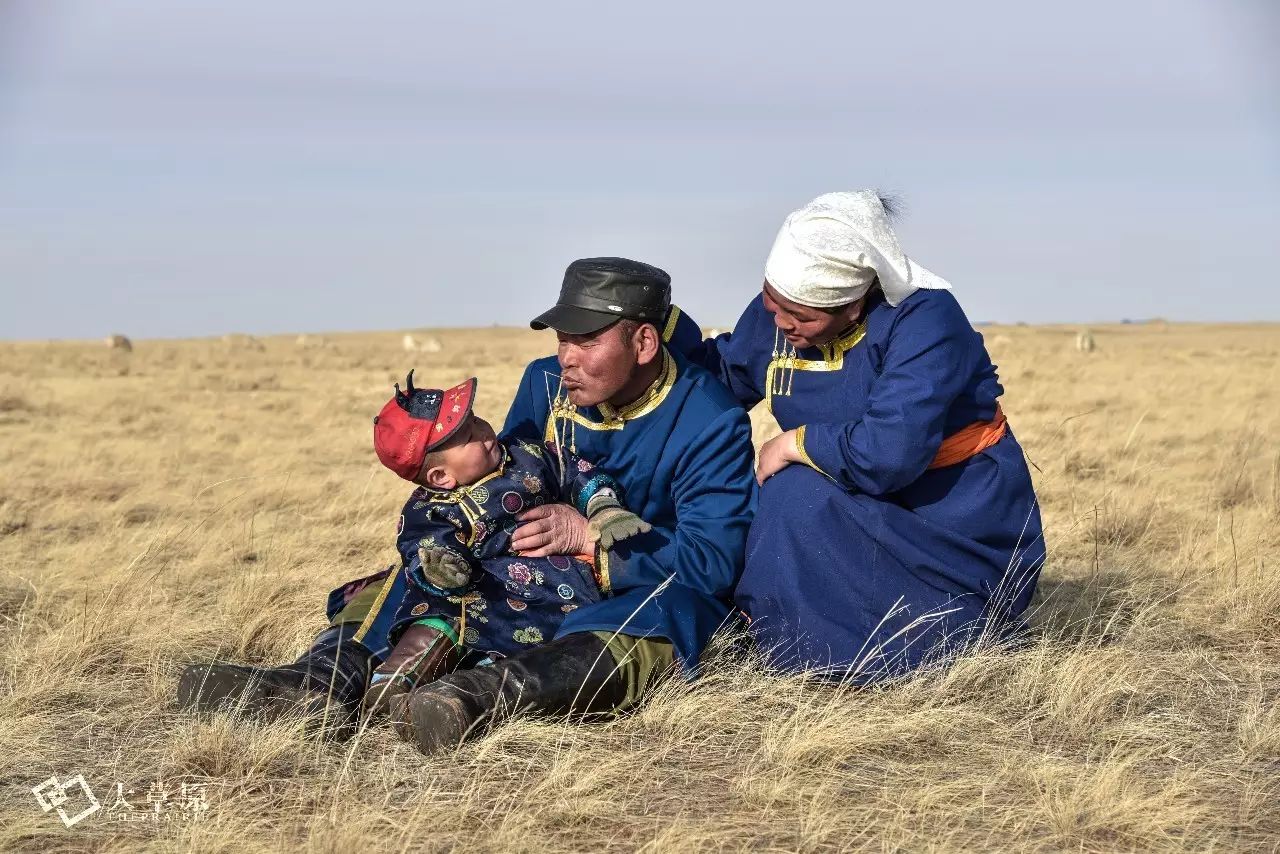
(673,320)
(776,379)
(615,419)
(652,397)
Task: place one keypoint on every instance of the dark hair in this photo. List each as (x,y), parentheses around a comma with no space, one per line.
(894,206)
(627,327)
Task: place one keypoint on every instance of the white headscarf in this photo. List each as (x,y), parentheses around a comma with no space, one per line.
(830,251)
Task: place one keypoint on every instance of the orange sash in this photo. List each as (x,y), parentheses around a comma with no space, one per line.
(971,441)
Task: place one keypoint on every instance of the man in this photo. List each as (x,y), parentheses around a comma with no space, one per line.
(679,446)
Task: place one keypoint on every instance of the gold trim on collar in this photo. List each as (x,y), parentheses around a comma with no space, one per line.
(616,419)
(652,397)
(832,360)
(672,320)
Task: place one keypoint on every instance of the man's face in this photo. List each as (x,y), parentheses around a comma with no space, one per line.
(595,367)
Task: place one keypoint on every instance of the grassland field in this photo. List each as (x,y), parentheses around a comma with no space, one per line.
(198,498)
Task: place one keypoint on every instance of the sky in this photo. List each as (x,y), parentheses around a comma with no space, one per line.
(196,168)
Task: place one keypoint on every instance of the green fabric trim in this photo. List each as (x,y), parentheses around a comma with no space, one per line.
(441,625)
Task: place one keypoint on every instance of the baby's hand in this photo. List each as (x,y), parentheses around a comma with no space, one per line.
(443,569)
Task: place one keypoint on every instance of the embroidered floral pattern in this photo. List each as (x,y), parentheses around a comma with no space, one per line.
(530,635)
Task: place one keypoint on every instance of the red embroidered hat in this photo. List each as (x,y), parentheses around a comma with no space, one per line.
(417,421)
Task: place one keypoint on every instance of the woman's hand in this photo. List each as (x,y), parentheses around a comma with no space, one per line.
(775,455)
(552,529)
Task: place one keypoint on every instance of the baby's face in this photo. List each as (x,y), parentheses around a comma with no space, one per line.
(472,453)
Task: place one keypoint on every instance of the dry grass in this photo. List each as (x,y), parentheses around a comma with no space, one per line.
(198,498)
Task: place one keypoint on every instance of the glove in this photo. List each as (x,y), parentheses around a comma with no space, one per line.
(612,525)
(443,569)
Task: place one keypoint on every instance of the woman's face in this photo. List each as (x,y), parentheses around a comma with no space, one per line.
(805,326)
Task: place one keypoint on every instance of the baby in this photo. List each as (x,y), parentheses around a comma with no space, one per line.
(467,591)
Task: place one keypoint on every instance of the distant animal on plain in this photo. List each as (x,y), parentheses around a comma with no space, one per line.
(1084,342)
(420,345)
(119,342)
(311,342)
(243,342)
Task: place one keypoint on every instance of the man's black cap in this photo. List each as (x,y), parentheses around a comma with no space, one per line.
(598,291)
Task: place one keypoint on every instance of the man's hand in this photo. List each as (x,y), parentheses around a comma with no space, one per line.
(552,529)
(775,455)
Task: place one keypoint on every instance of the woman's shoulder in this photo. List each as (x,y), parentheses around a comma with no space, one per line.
(934,307)
(704,397)
(754,325)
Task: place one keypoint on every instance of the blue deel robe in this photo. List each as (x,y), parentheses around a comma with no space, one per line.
(865,562)
(682,454)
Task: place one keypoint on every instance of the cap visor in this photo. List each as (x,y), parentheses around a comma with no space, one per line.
(469,401)
(572,320)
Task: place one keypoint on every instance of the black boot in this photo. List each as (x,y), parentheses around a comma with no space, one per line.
(326,684)
(575,673)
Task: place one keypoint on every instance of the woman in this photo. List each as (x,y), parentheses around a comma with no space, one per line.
(897,521)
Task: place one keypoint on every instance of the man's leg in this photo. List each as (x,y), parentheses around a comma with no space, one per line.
(581,673)
(327,681)
(641,663)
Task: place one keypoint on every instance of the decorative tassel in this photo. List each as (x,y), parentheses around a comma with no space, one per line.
(774,361)
(791,374)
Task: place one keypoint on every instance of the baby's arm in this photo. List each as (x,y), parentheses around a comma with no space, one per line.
(432,544)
